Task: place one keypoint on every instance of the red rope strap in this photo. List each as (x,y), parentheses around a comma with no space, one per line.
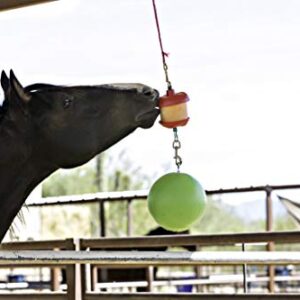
(163,53)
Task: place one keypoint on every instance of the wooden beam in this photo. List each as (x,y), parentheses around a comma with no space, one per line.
(12,4)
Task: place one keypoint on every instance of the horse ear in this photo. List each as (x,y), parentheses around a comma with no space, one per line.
(18,89)
(4,82)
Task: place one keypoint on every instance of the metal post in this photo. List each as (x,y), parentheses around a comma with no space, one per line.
(198,271)
(55,284)
(54,276)
(94,280)
(83,281)
(244,272)
(129,218)
(99,182)
(102,218)
(72,272)
(149,272)
(236,284)
(94,275)
(270,245)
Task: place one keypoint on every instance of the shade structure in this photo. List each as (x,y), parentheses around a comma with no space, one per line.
(12,4)
(293,208)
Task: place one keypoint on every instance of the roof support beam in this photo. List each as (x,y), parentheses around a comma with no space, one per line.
(12,4)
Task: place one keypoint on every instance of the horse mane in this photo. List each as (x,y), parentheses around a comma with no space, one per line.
(30,88)
(45,86)
(39,86)
(3,109)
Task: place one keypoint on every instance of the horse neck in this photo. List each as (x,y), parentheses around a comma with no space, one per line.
(19,175)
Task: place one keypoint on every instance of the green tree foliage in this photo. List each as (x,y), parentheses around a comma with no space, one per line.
(121,174)
(78,181)
(61,221)
(286,223)
(281,223)
(70,220)
(219,217)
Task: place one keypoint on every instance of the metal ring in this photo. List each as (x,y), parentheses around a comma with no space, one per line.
(176,144)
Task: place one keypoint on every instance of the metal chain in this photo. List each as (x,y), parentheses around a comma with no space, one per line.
(167,76)
(176,146)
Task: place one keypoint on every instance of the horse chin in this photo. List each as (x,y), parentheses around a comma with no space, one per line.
(70,165)
(146,120)
(75,161)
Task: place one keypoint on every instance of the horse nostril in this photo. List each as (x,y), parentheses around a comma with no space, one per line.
(152,94)
(147,92)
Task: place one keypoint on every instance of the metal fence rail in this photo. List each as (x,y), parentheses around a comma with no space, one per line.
(129,196)
(213,280)
(34,296)
(283,237)
(145,258)
(141,296)
(143,194)
(39,245)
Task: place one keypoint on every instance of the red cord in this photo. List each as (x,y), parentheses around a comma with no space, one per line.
(163,53)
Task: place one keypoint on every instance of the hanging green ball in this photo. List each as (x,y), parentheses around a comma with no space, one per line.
(176,201)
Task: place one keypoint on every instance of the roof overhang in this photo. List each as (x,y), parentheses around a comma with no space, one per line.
(12,4)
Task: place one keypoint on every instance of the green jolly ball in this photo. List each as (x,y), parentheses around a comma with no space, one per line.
(176,200)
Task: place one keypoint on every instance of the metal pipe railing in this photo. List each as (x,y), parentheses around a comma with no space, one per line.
(280,237)
(142,195)
(146,258)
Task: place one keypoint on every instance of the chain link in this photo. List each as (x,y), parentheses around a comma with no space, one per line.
(167,75)
(176,146)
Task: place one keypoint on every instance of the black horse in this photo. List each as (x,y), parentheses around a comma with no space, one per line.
(46,127)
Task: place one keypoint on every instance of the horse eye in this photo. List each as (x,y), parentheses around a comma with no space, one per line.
(67,103)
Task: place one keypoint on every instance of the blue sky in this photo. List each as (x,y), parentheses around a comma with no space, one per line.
(239,61)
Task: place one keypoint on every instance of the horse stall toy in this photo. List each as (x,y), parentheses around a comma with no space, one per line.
(45,127)
(173,109)
(176,200)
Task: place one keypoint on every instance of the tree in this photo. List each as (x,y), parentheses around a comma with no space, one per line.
(119,175)
(219,217)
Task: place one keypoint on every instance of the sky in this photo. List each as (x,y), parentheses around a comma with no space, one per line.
(239,61)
